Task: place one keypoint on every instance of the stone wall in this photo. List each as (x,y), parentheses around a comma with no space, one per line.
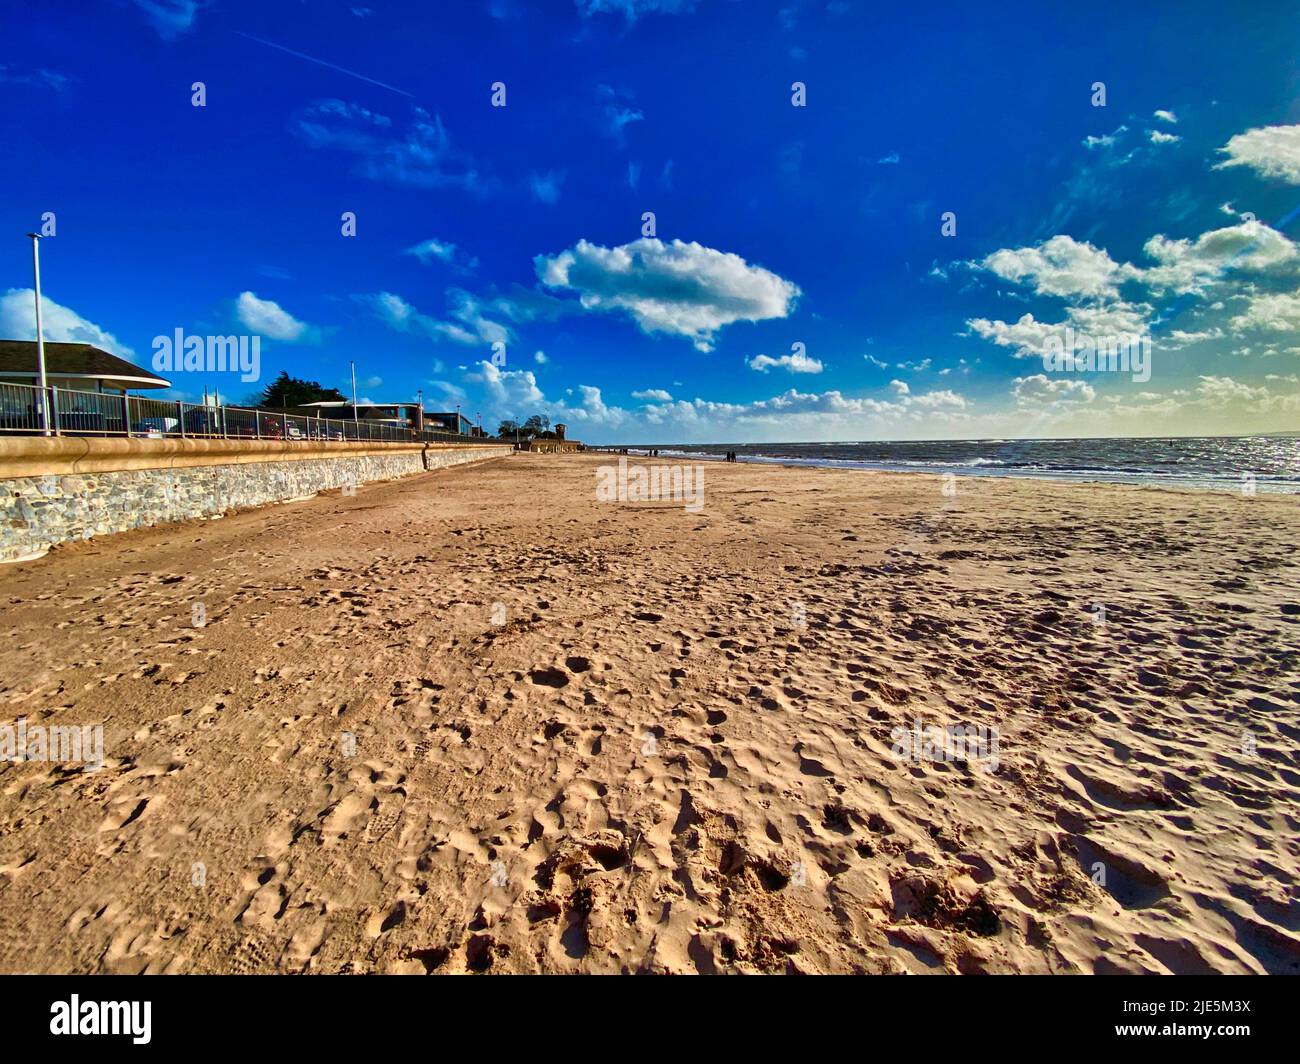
(159,484)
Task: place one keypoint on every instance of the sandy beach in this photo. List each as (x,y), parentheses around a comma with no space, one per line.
(477,720)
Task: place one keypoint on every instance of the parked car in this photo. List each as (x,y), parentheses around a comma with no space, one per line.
(155,428)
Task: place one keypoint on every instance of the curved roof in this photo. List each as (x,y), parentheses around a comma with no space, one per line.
(18,358)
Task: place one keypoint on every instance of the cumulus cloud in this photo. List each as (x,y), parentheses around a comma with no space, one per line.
(1271,151)
(267,318)
(60,324)
(1222,390)
(1279,312)
(684,289)
(1167,116)
(1159,136)
(940,400)
(1186,265)
(795,362)
(657,395)
(1027,335)
(1042,389)
(507,388)
(1061,266)
(818,410)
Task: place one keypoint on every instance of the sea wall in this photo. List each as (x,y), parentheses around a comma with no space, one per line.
(55,489)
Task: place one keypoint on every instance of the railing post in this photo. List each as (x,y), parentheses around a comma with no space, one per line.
(180,417)
(126,413)
(54,408)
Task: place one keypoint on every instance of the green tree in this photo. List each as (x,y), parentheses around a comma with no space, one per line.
(507,428)
(290,391)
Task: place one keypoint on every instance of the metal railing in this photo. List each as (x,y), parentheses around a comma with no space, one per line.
(73,413)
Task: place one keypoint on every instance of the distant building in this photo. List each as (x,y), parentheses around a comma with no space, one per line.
(401,415)
(442,421)
(552,443)
(78,367)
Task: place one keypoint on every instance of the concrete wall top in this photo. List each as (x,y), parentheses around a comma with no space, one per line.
(35,456)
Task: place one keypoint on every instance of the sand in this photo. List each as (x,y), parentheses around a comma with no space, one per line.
(476,720)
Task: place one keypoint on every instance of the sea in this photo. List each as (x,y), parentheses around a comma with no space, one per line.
(1232,463)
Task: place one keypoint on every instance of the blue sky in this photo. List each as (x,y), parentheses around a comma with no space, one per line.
(799,283)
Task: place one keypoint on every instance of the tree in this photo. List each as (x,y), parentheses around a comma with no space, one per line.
(290,391)
(537,424)
(507,428)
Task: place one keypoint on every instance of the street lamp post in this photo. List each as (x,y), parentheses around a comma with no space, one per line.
(43,405)
(354,391)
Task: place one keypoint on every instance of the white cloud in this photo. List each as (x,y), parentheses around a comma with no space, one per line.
(657,395)
(1278,311)
(1167,116)
(1186,265)
(1042,389)
(507,388)
(1157,136)
(267,318)
(441,251)
(540,358)
(900,387)
(684,289)
(1271,151)
(1227,390)
(796,362)
(946,399)
(60,324)
(1061,266)
(1027,335)
(1107,140)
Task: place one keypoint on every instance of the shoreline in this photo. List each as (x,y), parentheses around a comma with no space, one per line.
(1190,483)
